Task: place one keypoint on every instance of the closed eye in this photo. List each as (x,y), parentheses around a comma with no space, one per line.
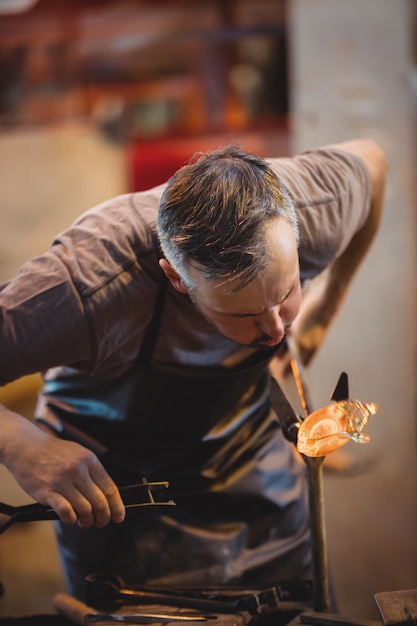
(242,315)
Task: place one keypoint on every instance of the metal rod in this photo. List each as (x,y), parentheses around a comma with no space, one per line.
(317,533)
(315,494)
(297,370)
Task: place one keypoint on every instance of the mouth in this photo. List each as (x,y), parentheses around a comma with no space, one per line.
(267,343)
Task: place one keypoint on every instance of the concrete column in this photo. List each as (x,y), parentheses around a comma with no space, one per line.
(351,76)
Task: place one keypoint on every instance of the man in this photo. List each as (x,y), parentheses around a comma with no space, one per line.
(156,330)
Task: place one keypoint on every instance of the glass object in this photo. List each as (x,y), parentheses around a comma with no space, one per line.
(332,426)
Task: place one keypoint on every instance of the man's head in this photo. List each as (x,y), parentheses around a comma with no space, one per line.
(215,213)
(229,235)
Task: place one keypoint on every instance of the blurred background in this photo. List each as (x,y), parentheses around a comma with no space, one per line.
(100,97)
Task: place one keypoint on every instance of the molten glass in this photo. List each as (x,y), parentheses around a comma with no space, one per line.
(331,427)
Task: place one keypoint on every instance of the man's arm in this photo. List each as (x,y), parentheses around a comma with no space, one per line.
(58,473)
(325,294)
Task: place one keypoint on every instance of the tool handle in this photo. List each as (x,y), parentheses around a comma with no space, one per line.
(70,607)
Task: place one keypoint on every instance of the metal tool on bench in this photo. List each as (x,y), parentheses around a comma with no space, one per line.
(105,591)
(81,613)
(396,608)
(141,618)
(144,494)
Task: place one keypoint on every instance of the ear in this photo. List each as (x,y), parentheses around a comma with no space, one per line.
(172,276)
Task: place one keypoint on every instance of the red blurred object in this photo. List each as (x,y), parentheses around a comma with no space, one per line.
(151,163)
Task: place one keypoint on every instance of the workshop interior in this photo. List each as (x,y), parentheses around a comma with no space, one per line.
(103,97)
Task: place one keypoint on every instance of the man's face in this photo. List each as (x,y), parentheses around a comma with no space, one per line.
(260,313)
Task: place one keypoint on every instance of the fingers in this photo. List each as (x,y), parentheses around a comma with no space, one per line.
(59,473)
(109,504)
(87,495)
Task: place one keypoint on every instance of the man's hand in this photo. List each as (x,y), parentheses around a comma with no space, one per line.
(61,474)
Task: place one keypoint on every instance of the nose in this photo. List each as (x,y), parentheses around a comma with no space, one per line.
(270,323)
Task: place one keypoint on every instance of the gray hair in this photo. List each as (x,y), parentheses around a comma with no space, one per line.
(215,211)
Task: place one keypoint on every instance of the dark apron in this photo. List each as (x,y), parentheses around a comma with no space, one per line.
(156,415)
(169,411)
(241,514)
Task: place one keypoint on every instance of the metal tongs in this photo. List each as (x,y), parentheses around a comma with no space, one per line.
(144,494)
(108,591)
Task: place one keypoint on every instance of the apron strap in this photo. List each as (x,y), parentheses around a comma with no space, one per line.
(151,334)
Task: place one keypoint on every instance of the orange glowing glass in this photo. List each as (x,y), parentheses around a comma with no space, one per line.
(332,426)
